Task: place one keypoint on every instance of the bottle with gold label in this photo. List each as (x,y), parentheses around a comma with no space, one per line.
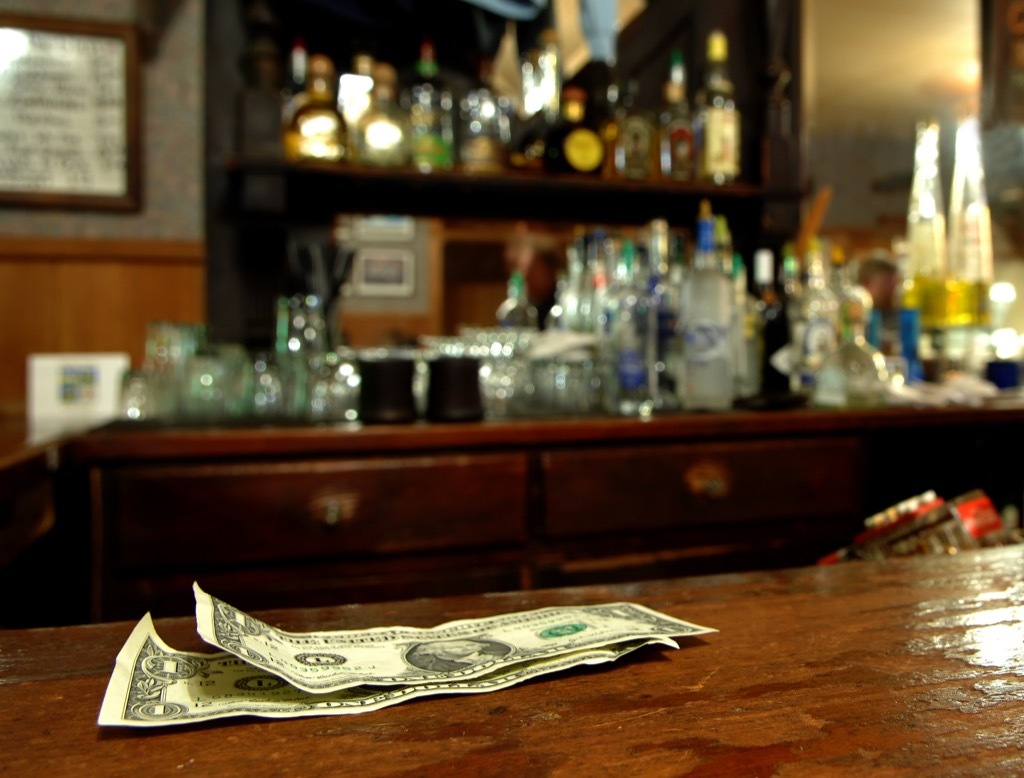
(384,129)
(314,128)
(717,129)
(574,144)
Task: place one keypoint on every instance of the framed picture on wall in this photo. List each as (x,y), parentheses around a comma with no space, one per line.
(384,272)
(69,114)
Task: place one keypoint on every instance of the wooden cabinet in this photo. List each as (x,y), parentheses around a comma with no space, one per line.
(281,517)
(453,518)
(678,486)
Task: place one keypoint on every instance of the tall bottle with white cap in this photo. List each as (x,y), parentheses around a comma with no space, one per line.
(970,243)
(924,279)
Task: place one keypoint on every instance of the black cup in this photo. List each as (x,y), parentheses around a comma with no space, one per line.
(386,390)
(453,389)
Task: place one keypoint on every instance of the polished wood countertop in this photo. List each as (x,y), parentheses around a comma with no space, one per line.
(901,668)
(142,441)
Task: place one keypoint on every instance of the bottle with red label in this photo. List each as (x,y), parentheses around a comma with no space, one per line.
(675,125)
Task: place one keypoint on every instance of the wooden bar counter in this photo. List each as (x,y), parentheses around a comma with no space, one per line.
(908,667)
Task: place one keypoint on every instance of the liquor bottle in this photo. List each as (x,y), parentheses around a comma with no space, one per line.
(484,128)
(786,360)
(970,245)
(384,129)
(606,117)
(574,144)
(516,310)
(355,92)
(315,130)
(854,373)
(747,333)
(664,291)
(706,370)
(814,325)
(675,125)
(924,282)
(600,262)
(540,71)
(626,339)
(572,292)
(717,128)
(774,332)
(297,77)
(428,103)
(636,141)
(541,76)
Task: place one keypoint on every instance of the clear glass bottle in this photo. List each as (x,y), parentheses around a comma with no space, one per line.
(516,311)
(484,126)
(924,282)
(571,293)
(718,119)
(636,141)
(627,339)
(707,367)
(428,103)
(384,128)
(814,325)
(788,360)
(541,75)
(675,125)
(315,130)
(664,292)
(540,70)
(355,92)
(854,373)
(970,237)
(574,144)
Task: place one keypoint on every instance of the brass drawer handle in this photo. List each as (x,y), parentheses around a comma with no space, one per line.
(708,479)
(336,510)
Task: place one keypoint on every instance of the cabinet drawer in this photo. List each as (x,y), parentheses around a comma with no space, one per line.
(670,487)
(223,514)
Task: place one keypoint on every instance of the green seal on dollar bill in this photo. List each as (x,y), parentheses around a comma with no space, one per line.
(562,630)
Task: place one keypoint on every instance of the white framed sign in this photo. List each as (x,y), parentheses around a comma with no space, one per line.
(69,113)
(75,387)
(384,272)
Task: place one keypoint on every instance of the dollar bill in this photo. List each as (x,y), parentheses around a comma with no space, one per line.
(154,685)
(457,650)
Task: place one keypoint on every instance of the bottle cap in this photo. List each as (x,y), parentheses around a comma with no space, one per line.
(320,64)
(363,64)
(718,46)
(764,266)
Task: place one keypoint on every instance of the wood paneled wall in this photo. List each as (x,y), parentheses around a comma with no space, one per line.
(74,295)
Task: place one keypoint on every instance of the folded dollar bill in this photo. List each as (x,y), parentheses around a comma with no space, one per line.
(153,685)
(322,662)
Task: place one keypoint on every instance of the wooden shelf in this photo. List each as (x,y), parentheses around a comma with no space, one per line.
(312,192)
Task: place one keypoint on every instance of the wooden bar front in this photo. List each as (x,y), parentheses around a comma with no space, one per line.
(901,668)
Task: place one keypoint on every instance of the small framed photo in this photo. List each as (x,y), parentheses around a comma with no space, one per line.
(384,228)
(384,272)
(75,387)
